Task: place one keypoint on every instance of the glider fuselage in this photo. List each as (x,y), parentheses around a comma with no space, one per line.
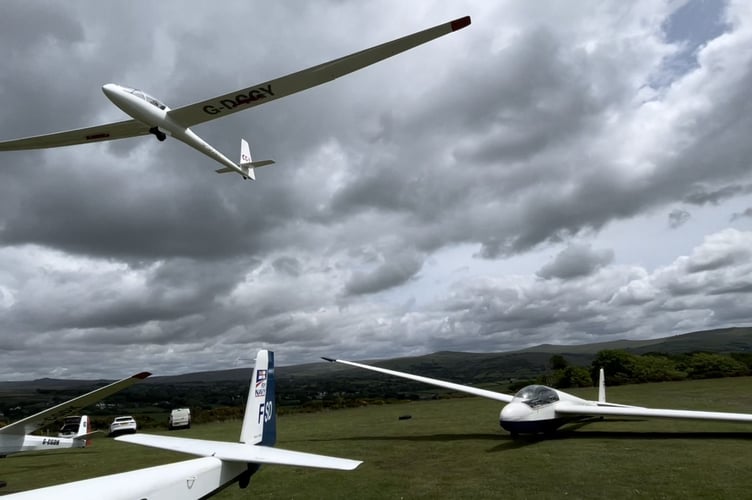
(531,415)
(153,113)
(17,443)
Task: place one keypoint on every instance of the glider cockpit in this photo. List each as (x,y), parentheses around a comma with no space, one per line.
(146,97)
(536,395)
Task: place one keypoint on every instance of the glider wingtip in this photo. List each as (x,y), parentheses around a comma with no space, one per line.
(141,375)
(460,23)
(331,360)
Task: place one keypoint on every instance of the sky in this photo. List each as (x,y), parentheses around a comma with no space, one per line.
(557,172)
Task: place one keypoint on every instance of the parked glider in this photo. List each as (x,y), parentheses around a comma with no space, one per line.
(221,463)
(539,408)
(151,116)
(16,437)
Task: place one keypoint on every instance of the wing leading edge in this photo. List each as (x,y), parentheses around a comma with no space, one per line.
(496,396)
(46,417)
(261,93)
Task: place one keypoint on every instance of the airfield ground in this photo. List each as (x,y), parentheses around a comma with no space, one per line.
(455,449)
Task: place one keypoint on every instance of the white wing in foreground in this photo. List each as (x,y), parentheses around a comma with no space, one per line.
(191,479)
(240,452)
(632,411)
(108,132)
(496,396)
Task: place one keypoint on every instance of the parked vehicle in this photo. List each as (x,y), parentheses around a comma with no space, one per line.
(123,425)
(180,417)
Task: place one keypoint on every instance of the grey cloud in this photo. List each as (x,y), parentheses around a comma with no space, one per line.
(576,261)
(507,136)
(678,217)
(702,195)
(394,271)
(746,213)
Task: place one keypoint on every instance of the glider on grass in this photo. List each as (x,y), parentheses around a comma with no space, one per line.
(151,116)
(539,408)
(221,463)
(17,437)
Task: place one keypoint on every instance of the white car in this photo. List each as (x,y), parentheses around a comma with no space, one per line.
(123,425)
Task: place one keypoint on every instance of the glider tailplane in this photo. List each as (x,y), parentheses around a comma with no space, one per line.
(601,387)
(260,419)
(247,165)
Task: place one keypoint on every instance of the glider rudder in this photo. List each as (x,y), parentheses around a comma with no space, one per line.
(260,419)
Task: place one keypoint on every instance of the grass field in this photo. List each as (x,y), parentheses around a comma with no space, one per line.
(455,449)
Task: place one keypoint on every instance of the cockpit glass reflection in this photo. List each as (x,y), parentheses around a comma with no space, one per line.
(536,395)
(146,97)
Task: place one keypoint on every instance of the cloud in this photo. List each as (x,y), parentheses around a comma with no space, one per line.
(677,217)
(523,135)
(745,213)
(576,261)
(393,271)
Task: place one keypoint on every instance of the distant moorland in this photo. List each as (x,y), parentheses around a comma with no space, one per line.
(220,395)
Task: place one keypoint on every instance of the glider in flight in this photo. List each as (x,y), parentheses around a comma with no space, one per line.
(17,437)
(220,464)
(539,408)
(152,116)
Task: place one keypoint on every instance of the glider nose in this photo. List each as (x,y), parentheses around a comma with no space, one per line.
(110,89)
(514,412)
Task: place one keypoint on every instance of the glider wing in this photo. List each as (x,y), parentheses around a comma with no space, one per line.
(497,396)
(261,93)
(240,452)
(633,411)
(46,417)
(108,132)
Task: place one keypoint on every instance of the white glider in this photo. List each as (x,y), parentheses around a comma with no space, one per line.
(539,408)
(16,437)
(221,463)
(151,116)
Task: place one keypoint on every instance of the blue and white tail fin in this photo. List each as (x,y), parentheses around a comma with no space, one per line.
(260,420)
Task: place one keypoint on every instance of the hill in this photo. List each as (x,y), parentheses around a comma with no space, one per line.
(304,384)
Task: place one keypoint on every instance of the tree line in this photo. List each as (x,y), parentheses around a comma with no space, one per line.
(622,367)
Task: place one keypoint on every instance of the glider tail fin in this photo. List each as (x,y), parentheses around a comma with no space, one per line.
(601,387)
(84,431)
(246,162)
(260,420)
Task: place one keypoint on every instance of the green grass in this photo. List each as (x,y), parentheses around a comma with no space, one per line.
(455,449)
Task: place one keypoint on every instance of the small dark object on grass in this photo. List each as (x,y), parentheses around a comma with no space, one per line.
(404,417)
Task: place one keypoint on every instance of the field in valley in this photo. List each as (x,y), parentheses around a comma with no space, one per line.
(454,448)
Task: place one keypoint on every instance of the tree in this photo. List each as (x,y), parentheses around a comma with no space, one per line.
(708,365)
(557,362)
(619,366)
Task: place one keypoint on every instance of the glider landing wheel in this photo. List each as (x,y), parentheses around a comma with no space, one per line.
(161,136)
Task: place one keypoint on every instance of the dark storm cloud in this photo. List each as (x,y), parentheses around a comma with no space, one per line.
(678,217)
(576,261)
(702,195)
(394,271)
(745,213)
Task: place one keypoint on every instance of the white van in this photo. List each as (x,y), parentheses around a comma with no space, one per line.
(180,417)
